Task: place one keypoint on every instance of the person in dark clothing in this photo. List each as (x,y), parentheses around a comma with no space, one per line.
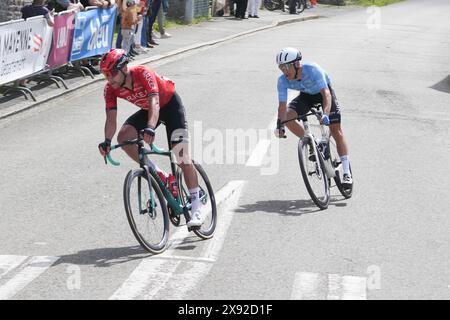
(37,8)
(64,5)
(154,6)
(241,7)
(98,3)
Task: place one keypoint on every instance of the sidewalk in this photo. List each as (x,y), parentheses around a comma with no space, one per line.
(184,38)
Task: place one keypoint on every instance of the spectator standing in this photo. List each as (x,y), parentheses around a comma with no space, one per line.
(37,8)
(129,21)
(141,12)
(241,7)
(253,8)
(163,9)
(152,13)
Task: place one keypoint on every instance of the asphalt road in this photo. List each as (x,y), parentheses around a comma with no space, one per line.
(64,234)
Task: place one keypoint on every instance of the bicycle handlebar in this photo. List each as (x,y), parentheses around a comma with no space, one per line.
(153,147)
(314,111)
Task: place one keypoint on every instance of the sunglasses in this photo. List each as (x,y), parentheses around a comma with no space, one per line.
(111,73)
(285,67)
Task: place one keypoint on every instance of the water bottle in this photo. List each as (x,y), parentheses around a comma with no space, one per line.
(173,186)
(162,176)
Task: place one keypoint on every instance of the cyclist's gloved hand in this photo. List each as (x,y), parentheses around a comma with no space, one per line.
(104,147)
(279,131)
(325,119)
(149,135)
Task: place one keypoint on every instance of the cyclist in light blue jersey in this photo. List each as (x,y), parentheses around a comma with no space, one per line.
(314,85)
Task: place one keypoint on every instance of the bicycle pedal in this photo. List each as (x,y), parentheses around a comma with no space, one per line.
(193,228)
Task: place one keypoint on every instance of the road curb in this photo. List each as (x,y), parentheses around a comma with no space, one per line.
(159,57)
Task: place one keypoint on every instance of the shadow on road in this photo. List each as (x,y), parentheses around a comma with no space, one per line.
(104,257)
(288,207)
(443,85)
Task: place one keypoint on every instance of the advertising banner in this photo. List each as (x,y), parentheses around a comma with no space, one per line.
(62,39)
(24,48)
(94,31)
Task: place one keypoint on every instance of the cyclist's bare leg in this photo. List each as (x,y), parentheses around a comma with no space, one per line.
(293,125)
(181,151)
(128,132)
(338,135)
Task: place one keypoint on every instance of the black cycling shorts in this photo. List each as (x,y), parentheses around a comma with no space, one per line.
(304,102)
(172,115)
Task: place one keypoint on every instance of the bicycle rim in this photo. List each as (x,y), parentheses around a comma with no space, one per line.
(207,198)
(313,174)
(301,6)
(146,211)
(337,164)
(271,5)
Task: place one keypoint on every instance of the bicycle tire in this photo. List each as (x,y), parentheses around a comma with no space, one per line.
(336,162)
(143,188)
(206,231)
(301,5)
(271,5)
(303,156)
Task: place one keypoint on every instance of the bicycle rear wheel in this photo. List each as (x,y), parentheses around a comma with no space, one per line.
(313,173)
(146,211)
(209,209)
(337,164)
(271,5)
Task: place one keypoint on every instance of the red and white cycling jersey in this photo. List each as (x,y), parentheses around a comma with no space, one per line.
(146,83)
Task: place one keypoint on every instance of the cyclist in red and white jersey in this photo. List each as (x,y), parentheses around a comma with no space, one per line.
(159,103)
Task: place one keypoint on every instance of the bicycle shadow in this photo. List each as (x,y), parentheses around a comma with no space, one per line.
(104,257)
(288,207)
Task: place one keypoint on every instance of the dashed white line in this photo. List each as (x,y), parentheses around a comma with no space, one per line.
(315,286)
(33,269)
(305,286)
(354,288)
(8,263)
(158,273)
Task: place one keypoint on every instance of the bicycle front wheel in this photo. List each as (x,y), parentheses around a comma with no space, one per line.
(313,173)
(146,211)
(337,164)
(301,5)
(207,199)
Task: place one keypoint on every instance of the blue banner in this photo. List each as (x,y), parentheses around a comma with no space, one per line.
(94,31)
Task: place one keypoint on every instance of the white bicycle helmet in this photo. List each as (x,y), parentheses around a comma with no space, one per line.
(287,55)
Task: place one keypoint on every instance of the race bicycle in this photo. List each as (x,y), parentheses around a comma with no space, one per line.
(293,6)
(150,203)
(319,161)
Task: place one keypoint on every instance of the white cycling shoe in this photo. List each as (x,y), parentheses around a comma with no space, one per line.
(197,219)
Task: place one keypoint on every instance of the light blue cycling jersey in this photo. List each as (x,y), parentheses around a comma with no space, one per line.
(314,79)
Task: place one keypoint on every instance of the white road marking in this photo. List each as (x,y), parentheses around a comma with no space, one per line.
(158,273)
(334,287)
(213,247)
(257,156)
(8,263)
(354,288)
(311,286)
(306,286)
(31,270)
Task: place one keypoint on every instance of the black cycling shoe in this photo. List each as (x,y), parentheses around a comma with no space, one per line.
(312,156)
